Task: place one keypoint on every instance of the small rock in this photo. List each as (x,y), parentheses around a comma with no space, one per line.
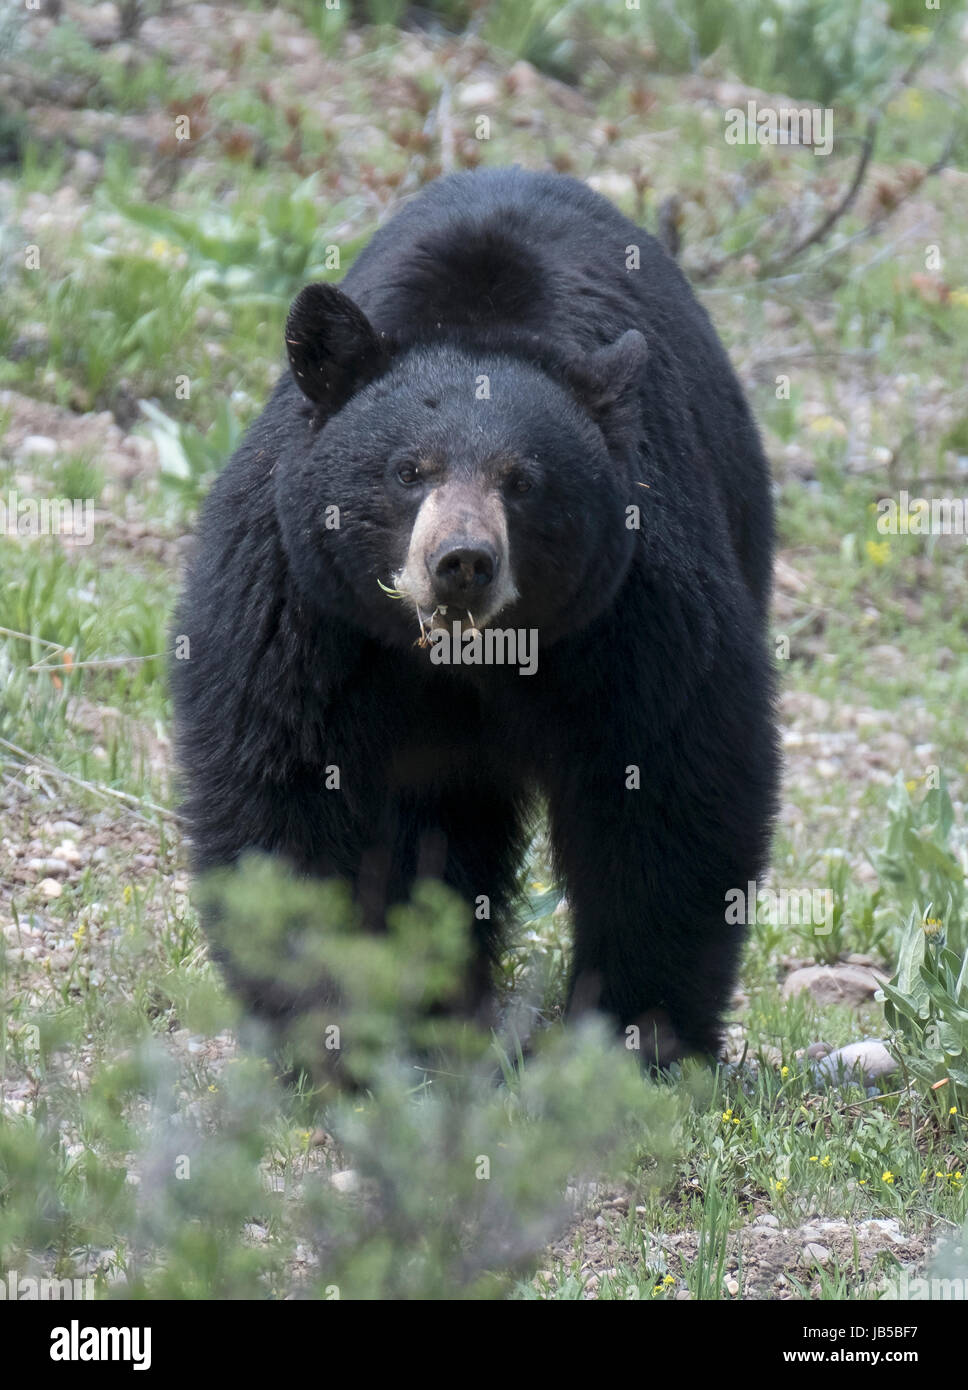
(835,984)
(767,1218)
(48,866)
(619,1203)
(38,444)
(50,887)
(880,1225)
(478,94)
(732,1287)
(524,77)
(814,1254)
(840,1228)
(683,1296)
(612,184)
(348,1180)
(870,1059)
(87,168)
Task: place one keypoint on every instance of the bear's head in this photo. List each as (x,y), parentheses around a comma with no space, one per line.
(462,479)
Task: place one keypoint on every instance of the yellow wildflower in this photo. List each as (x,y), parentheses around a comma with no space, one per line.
(826,424)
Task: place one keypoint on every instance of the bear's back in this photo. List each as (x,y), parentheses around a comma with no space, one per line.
(536,252)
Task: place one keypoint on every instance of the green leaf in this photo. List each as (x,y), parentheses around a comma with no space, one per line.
(906,1004)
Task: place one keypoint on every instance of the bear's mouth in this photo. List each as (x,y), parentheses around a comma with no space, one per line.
(442,619)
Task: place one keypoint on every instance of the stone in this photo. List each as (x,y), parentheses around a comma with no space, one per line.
(869,1059)
(48,866)
(523,77)
(38,444)
(883,1226)
(814,1254)
(476,94)
(835,984)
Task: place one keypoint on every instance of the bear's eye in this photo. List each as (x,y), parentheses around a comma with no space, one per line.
(408,474)
(519,483)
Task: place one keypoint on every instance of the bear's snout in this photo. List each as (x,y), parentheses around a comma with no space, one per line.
(459,554)
(463,570)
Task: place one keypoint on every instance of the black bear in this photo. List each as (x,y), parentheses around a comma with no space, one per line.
(503,533)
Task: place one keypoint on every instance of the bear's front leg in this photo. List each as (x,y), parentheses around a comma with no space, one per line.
(471,836)
(649,844)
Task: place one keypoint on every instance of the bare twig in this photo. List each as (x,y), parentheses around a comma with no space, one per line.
(938,480)
(133,803)
(59,649)
(826,225)
(794,277)
(445,126)
(100,661)
(31,637)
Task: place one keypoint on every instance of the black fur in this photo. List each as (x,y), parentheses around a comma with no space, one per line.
(609,387)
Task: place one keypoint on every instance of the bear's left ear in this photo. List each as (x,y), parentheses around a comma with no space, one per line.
(333,350)
(606,381)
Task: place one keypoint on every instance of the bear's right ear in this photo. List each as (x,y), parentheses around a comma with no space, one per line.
(606,376)
(333,350)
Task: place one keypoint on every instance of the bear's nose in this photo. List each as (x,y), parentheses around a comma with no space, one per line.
(461,571)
